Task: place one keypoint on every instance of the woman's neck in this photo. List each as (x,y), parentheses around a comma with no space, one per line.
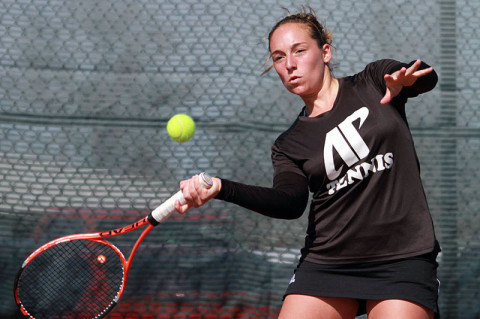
(324,100)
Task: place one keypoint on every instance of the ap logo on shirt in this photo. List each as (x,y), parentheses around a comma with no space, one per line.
(347,142)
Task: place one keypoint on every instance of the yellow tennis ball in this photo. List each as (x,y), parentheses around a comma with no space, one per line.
(181,127)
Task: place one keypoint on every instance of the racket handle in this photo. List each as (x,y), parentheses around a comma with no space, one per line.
(167,208)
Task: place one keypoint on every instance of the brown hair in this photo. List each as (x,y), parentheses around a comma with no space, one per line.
(308,18)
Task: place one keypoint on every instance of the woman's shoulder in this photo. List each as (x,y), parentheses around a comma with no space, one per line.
(285,135)
(379,68)
(373,73)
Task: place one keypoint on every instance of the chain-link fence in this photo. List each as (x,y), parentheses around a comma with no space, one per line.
(86,89)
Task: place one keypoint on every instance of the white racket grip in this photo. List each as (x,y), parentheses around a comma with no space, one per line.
(167,208)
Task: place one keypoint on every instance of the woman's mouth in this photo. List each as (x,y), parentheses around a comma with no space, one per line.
(293,79)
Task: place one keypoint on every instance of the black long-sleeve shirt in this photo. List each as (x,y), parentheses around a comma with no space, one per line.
(359,162)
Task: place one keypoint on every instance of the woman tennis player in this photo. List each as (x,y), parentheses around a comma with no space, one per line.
(370,245)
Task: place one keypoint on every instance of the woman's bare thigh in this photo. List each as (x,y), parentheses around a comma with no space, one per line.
(309,307)
(397,308)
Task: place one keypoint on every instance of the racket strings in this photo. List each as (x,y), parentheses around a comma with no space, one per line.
(72,279)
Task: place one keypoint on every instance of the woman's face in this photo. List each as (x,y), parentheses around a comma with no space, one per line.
(298,60)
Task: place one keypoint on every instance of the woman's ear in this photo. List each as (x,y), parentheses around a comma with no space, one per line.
(327,52)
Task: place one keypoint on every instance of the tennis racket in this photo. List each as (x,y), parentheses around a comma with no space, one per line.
(83,275)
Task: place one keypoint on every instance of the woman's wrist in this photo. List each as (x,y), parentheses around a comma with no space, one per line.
(218,183)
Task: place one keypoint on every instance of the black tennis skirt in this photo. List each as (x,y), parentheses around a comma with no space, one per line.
(413,279)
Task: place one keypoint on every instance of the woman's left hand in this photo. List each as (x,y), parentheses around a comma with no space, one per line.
(403,77)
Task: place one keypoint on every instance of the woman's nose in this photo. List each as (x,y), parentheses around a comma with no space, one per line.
(290,64)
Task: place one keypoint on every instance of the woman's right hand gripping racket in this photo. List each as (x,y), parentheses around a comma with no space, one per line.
(83,275)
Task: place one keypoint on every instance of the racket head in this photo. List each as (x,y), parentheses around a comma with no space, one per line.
(71,277)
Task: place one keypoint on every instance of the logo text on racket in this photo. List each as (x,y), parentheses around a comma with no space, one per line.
(125,229)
